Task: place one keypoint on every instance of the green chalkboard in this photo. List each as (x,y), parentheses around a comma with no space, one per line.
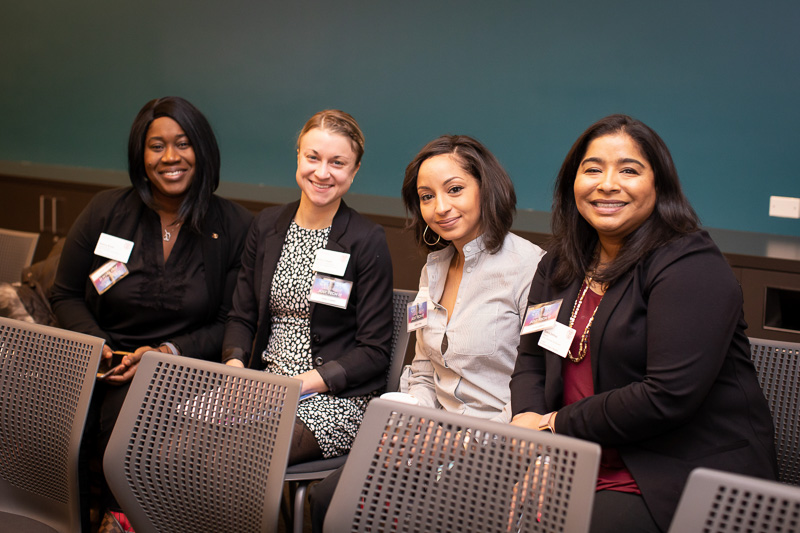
(719,80)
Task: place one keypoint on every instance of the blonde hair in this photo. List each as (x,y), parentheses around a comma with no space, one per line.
(339,122)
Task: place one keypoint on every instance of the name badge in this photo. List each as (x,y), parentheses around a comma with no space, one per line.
(540,316)
(108,275)
(330,262)
(113,248)
(557,339)
(417,315)
(330,291)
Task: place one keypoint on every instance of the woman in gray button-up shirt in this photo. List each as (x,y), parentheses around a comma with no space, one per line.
(476,283)
(476,279)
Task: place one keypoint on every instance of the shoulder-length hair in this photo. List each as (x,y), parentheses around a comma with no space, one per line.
(497,197)
(206,151)
(339,122)
(574,241)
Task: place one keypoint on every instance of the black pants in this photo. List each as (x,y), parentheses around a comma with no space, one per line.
(320,496)
(104,410)
(618,512)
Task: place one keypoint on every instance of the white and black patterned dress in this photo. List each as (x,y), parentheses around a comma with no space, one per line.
(334,421)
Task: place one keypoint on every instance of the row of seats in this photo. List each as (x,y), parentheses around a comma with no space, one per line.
(200,446)
(16,251)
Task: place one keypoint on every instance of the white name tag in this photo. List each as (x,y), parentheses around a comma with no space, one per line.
(540,316)
(330,262)
(113,248)
(557,339)
(330,291)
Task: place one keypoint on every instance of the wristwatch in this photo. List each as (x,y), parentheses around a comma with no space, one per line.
(546,422)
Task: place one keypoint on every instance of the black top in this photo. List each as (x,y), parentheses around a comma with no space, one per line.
(184,301)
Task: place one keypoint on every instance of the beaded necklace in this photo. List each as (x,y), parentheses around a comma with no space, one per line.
(583,343)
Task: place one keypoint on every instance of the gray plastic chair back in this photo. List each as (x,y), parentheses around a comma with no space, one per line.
(201,446)
(778,367)
(47,376)
(418,469)
(400,334)
(721,502)
(303,473)
(16,253)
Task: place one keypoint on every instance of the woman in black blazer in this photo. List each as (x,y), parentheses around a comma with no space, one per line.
(658,371)
(314,296)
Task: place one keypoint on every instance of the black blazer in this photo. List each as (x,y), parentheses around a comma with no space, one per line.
(674,387)
(350,347)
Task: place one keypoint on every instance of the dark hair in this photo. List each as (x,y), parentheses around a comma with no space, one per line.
(339,122)
(206,175)
(497,197)
(574,240)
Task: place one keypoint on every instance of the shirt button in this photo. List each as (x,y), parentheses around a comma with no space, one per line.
(469,270)
(318,361)
(315,337)
(468,248)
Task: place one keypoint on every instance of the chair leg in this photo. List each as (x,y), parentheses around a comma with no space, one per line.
(287,516)
(299,504)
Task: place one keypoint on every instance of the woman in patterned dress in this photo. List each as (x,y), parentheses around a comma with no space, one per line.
(338,346)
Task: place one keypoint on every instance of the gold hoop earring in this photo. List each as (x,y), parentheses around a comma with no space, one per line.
(438,237)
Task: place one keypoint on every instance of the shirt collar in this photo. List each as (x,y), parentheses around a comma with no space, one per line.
(473,247)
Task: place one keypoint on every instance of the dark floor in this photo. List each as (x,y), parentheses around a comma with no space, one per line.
(282,527)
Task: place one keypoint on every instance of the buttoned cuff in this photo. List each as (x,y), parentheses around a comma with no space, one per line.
(334,376)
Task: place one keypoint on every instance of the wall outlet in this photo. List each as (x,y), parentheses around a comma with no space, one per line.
(784,206)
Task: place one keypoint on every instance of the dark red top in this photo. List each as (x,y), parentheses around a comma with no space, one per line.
(577,377)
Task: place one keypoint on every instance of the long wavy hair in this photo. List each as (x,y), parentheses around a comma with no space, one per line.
(574,241)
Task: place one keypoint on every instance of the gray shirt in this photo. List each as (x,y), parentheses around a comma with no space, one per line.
(472,376)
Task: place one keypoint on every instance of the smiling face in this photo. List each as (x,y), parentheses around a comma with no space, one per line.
(449,199)
(614,187)
(326,167)
(169,161)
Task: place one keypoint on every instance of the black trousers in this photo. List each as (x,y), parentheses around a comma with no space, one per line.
(618,512)
(320,496)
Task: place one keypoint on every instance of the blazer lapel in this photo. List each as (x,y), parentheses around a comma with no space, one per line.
(273,246)
(338,228)
(610,300)
(570,295)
